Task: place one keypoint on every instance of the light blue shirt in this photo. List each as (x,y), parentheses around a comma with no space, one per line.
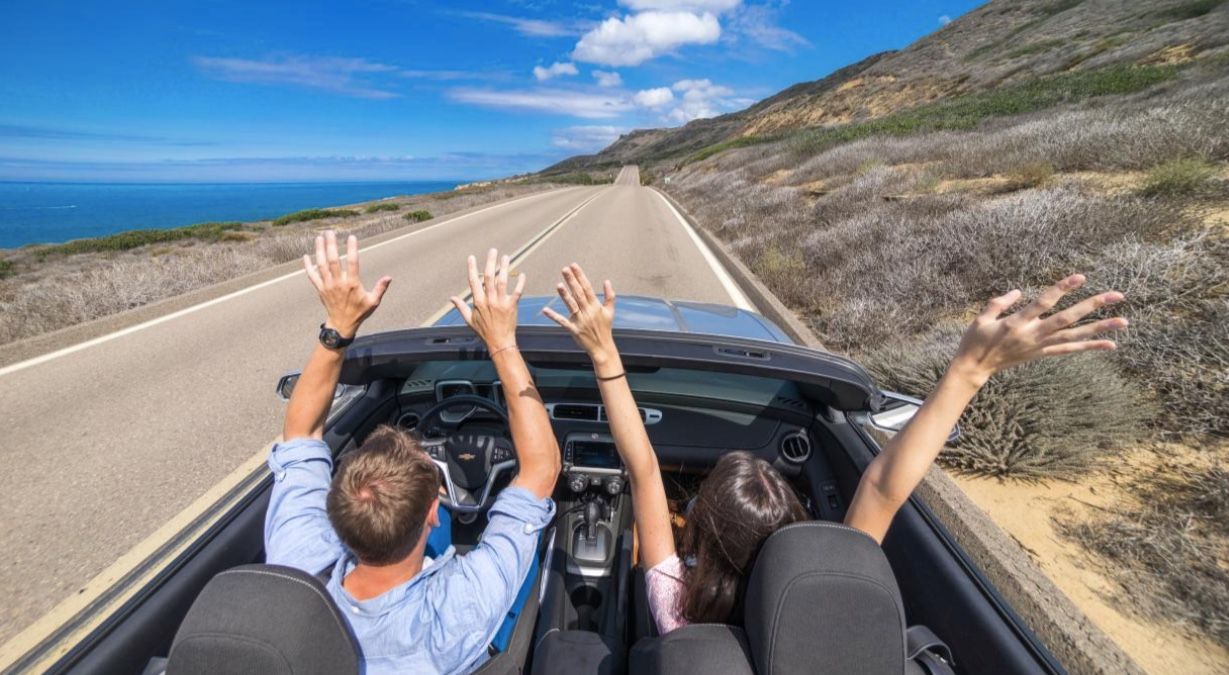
(442,620)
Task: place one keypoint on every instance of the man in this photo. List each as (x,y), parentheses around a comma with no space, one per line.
(411,614)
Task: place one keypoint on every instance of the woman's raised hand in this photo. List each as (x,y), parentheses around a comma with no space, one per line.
(590,321)
(493,316)
(994,342)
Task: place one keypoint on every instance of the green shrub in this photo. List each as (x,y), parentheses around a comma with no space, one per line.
(382,206)
(1052,418)
(1189,10)
(578,178)
(1059,6)
(718,148)
(6,268)
(418,216)
(123,241)
(967,111)
(313,214)
(1178,177)
(1166,548)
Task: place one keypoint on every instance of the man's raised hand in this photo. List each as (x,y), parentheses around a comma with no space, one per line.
(494,312)
(341,291)
(995,342)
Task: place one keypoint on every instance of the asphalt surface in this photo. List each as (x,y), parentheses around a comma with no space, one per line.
(103,445)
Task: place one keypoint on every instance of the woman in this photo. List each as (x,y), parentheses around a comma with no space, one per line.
(744,499)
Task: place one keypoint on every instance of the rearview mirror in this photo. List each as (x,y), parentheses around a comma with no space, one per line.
(896,412)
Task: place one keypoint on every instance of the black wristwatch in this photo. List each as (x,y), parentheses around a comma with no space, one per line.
(329,337)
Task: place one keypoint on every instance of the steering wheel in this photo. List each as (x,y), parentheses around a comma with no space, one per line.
(470,462)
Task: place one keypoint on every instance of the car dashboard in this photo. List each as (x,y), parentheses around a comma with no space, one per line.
(692,417)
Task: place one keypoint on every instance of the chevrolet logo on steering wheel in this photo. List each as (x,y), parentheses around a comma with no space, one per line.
(465,457)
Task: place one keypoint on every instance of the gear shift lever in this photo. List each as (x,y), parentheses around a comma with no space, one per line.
(593,513)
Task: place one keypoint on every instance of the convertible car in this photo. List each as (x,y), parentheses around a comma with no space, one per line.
(821,597)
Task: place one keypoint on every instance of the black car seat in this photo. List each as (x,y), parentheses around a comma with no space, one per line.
(264,619)
(821,598)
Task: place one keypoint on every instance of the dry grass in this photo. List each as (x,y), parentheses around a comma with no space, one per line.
(1047,419)
(861,239)
(1169,550)
(87,282)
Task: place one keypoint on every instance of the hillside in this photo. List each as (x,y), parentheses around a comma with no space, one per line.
(999,45)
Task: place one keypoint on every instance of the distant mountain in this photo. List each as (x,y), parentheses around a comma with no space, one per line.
(1000,42)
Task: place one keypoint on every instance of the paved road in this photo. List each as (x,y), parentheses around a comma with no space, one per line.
(103,445)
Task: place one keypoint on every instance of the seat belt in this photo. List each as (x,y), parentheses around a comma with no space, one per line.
(928,651)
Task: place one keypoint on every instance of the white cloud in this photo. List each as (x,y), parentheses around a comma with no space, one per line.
(545,100)
(586,138)
(632,40)
(336,74)
(654,98)
(529,27)
(608,78)
(698,6)
(758,24)
(944,20)
(700,99)
(554,70)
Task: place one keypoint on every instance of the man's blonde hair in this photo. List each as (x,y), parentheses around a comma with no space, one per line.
(380,496)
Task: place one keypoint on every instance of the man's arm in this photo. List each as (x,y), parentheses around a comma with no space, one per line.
(493,318)
(992,343)
(347,304)
(591,325)
(297,528)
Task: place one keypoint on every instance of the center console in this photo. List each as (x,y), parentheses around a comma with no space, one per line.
(592,555)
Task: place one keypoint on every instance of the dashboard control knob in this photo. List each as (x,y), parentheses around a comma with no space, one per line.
(614,485)
(578,482)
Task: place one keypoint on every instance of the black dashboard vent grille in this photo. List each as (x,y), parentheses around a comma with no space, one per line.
(796,447)
(569,411)
(788,402)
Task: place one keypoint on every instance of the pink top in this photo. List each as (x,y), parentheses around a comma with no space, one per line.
(664,586)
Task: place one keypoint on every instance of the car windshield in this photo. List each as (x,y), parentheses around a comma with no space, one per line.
(691,383)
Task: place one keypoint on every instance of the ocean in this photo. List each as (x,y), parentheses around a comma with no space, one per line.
(56,212)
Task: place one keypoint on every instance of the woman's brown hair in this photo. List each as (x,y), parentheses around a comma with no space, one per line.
(742,501)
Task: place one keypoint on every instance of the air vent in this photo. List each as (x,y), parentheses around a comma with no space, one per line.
(796,447)
(574,411)
(409,421)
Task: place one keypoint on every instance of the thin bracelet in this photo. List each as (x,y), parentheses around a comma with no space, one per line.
(611,378)
(501,349)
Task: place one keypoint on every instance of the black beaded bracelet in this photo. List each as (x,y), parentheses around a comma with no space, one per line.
(612,377)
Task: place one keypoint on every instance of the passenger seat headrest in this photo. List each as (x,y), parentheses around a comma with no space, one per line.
(822,599)
(264,619)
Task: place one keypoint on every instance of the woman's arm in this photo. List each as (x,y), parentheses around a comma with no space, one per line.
(591,325)
(493,318)
(992,343)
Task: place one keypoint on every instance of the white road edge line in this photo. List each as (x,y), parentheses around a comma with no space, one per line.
(727,282)
(50,356)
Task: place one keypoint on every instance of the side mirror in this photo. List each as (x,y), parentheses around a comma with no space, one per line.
(285,385)
(896,412)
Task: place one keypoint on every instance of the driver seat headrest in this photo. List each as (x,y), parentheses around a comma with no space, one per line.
(264,619)
(822,599)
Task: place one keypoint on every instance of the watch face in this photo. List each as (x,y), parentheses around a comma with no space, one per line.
(330,338)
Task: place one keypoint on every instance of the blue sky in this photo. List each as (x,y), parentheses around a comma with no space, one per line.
(396,89)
